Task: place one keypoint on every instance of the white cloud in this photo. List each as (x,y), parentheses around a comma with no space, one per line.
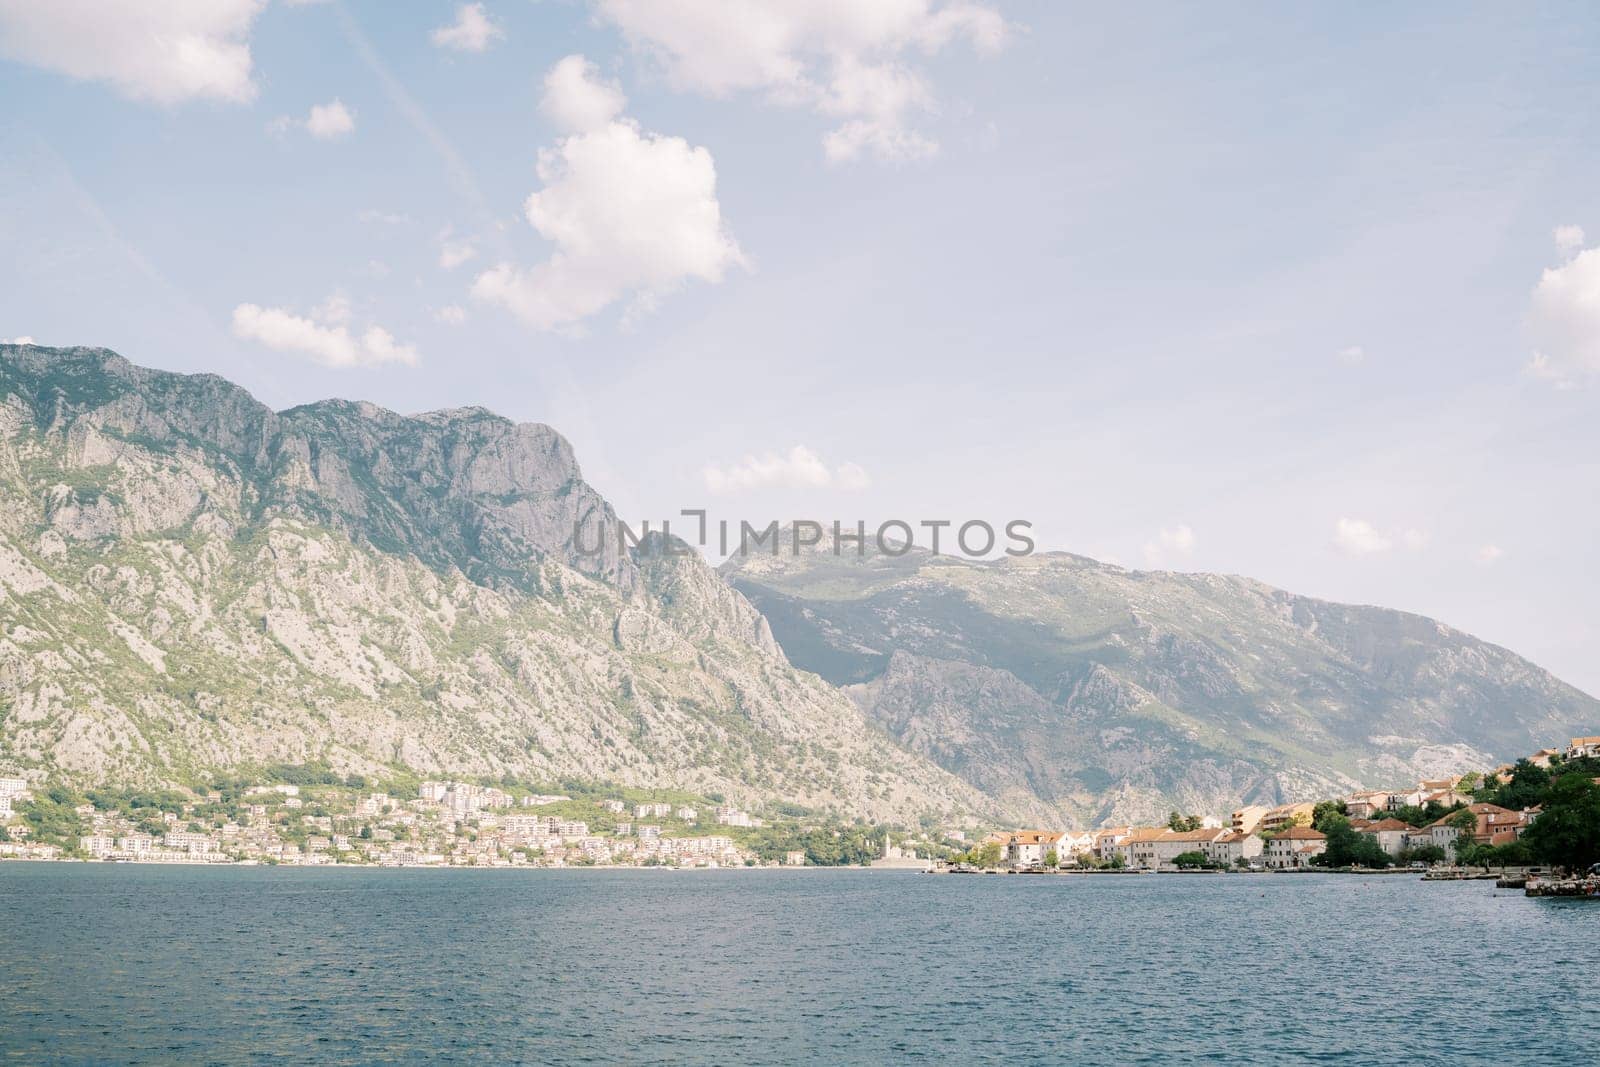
(472,31)
(453,251)
(1568,238)
(1171,541)
(330,121)
(1353,355)
(325,122)
(387,218)
(451,315)
(325,336)
(1357,537)
(1489,554)
(799,468)
(166,51)
(629,213)
(16,340)
(1564,321)
(577,99)
(845,60)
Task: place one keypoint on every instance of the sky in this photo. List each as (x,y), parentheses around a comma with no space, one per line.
(1309,294)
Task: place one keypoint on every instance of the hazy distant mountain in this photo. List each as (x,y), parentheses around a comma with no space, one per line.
(1071,689)
(190,581)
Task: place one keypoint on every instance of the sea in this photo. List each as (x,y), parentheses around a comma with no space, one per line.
(146,964)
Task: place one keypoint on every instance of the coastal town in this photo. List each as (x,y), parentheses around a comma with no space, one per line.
(1436,821)
(310,816)
(321,819)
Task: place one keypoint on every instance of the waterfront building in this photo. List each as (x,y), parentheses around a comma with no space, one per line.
(1294,848)
(1234,846)
(1391,835)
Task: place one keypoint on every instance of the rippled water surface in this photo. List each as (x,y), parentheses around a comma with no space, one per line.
(111,964)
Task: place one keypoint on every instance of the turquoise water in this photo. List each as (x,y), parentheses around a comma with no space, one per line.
(144,964)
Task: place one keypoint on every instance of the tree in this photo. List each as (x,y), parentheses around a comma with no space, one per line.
(1346,847)
(1051,859)
(1429,854)
(984,855)
(1525,789)
(1567,831)
(1194,858)
(1183,823)
(1326,808)
(1511,854)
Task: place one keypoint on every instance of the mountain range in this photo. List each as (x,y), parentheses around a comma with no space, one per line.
(1077,691)
(191,582)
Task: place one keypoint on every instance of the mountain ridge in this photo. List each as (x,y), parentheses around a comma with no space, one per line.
(1089,692)
(190,581)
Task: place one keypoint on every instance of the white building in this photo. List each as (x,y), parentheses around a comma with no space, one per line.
(1234,846)
(728,816)
(184,841)
(1294,848)
(97,845)
(1159,850)
(1583,746)
(1390,834)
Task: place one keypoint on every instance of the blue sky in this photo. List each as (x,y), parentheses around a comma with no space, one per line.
(1240,287)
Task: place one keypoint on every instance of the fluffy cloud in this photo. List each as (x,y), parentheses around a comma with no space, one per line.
(1171,541)
(1353,355)
(16,340)
(472,31)
(577,99)
(1358,537)
(843,60)
(168,51)
(1490,554)
(1564,315)
(325,122)
(330,121)
(451,315)
(324,336)
(799,468)
(629,212)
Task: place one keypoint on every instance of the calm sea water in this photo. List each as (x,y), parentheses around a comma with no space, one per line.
(144,964)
